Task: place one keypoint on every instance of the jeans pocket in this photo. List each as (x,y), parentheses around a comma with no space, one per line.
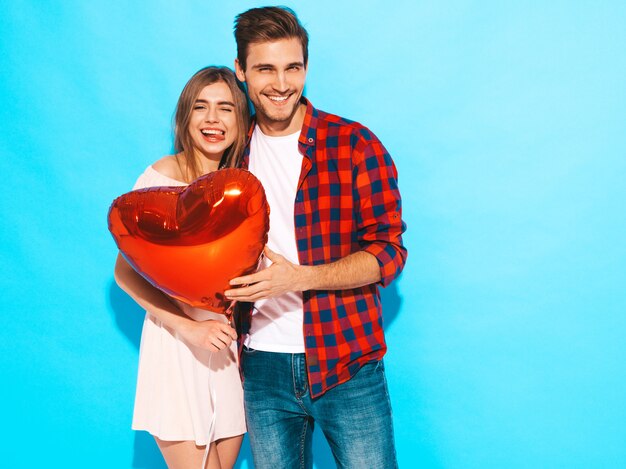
(248,350)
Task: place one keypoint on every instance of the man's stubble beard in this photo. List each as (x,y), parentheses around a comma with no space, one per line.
(262,110)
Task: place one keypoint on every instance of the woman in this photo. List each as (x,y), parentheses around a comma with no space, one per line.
(188,389)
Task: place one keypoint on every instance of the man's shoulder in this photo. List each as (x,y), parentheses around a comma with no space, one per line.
(336,124)
(333,120)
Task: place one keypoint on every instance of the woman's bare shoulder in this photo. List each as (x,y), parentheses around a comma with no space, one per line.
(169,166)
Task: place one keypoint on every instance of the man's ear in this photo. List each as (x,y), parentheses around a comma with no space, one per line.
(239,72)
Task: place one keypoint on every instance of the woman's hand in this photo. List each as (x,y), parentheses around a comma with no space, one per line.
(210,335)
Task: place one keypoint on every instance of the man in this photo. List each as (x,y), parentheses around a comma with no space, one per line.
(315,344)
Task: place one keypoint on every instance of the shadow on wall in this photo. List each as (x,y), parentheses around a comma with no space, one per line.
(128,314)
(146,454)
(129,320)
(391,302)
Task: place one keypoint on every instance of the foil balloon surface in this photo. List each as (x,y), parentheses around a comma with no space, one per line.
(189,241)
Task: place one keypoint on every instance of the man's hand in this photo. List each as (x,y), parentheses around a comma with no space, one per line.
(280,277)
(210,335)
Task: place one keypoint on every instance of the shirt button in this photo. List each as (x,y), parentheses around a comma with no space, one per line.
(310,140)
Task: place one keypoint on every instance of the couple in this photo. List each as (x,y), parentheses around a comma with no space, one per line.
(313,343)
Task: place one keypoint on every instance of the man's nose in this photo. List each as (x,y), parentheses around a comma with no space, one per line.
(280,82)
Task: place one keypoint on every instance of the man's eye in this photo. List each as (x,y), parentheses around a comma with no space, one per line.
(227,109)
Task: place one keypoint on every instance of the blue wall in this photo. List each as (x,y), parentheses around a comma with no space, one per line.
(507,123)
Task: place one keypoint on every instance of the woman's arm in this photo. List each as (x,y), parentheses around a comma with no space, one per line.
(211,335)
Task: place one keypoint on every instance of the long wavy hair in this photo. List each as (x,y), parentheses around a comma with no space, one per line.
(183,142)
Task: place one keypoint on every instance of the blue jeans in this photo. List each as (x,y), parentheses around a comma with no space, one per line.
(355,416)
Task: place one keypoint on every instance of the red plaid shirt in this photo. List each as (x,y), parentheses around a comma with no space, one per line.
(347,201)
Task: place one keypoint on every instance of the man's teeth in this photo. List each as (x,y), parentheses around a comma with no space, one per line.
(278,98)
(212,132)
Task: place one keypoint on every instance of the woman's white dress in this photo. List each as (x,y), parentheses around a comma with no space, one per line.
(185,392)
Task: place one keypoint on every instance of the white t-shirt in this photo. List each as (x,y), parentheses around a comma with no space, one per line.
(276,162)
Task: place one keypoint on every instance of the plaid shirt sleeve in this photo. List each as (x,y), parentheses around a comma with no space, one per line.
(379,213)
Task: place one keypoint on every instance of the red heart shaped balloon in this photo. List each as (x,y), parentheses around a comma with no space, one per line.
(190,241)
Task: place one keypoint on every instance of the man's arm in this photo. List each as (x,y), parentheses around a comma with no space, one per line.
(379,214)
(380,229)
(355,270)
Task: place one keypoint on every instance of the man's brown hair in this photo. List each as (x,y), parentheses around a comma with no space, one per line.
(268,24)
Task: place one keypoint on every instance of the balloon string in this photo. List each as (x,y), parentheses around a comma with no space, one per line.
(211,429)
(229,312)
(229,316)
